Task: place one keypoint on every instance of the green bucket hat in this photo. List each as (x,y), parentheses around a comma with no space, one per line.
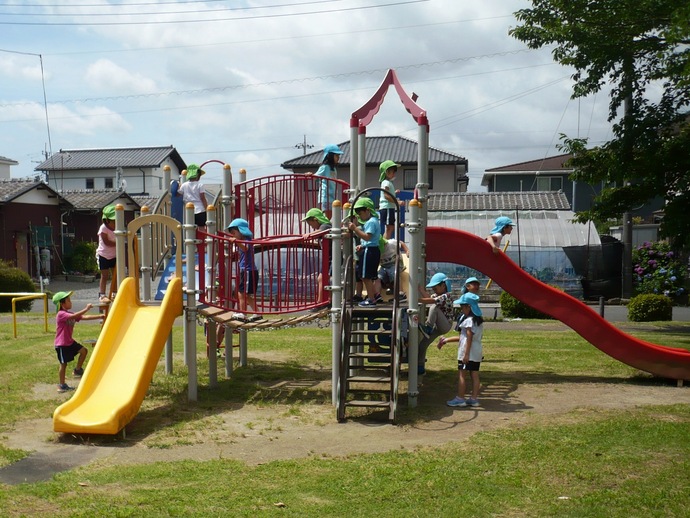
(318,214)
(385,166)
(193,171)
(60,296)
(109,212)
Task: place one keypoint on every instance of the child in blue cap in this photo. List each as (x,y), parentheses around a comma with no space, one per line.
(503,226)
(440,316)
(249,275)
(470,350)
(331,157)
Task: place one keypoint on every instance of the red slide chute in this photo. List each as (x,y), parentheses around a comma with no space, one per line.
(458,247)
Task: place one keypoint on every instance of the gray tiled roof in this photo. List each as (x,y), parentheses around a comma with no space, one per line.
(95,199)
(6,160)
(479,201)
(400,149)
(552,163)
(149,201)
(12,189)
(79,159)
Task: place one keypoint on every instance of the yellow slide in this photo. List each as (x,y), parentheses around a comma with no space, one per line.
(122,364)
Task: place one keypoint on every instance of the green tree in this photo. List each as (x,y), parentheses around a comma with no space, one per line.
(641,48)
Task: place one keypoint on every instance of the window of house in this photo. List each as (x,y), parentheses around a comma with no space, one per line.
(89,183)
(108,183)
(549,183)
(410,179)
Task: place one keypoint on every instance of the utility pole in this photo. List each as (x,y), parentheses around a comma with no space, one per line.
(304,146)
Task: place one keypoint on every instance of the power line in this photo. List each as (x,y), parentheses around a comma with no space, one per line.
(280,82)
(329,34)
(157,13)
(208,20)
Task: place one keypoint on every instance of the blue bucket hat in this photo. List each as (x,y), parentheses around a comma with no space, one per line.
(331,148)
(437,279)
(472,300)
(241,225)
(501,222)
(469,280)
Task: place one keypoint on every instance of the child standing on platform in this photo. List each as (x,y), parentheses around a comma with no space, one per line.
(105,253)
(369,253)
(249,275)
(387,203)
(327,191)
(193,191)
(65,345)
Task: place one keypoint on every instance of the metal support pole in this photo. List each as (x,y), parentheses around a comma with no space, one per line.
(336,288)
(120,243)
(189,229)
(227,201)
(416,263)
(354,153)
(361,160)
(211,290)
(243,214)
(146,258)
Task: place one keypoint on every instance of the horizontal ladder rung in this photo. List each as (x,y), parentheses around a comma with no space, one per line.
(369,404)
(369,379)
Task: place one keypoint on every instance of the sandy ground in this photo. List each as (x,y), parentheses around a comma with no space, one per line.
(259,434)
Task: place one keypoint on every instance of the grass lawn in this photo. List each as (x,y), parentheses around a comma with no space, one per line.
(589,462)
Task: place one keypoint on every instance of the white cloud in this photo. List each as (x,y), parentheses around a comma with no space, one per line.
(105,76)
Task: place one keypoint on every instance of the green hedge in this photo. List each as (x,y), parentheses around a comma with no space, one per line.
(649,307)
(513,308)
(14,280)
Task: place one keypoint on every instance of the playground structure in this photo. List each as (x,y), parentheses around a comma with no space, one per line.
(369,345)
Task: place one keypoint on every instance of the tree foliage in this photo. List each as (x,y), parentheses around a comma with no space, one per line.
(641,48)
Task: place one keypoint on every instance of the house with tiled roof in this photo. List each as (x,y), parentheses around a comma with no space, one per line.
(85,218)
(136,170)
(548,174)
(31,214)
(5,165)
(447,171)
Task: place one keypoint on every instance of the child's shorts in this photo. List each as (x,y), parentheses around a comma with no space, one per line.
(200,219)
(470,366)
(248,282)
(66,353)
(387,218)
(106,264)
(368,263)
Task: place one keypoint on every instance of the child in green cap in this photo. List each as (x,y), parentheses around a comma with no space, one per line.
(106,251)
(387,208)
(66,347)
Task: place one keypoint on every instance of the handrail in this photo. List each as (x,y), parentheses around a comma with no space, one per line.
(17,297)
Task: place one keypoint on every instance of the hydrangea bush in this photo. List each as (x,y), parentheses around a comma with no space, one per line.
(656,269)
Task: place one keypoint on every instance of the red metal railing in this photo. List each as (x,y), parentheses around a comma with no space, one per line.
(288,269)
(275,205)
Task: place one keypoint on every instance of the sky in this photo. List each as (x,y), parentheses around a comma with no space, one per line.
(248,82)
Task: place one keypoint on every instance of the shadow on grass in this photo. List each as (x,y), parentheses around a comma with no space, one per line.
(265,383)
(259,383)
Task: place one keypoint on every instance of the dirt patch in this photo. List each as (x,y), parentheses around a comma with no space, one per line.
(257,434)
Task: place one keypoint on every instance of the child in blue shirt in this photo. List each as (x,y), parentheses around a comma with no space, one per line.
(369,253)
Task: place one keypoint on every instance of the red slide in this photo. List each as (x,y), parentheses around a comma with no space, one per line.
(455,246)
